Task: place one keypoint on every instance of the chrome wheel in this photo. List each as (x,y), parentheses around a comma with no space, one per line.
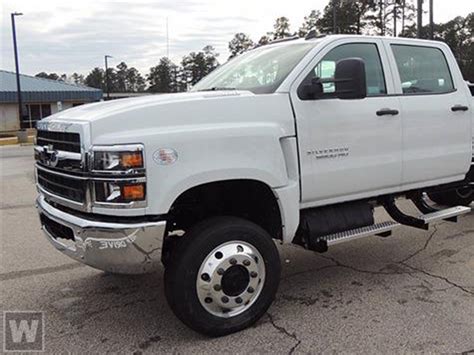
(230,279)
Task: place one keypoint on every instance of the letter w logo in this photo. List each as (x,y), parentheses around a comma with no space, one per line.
(23,328)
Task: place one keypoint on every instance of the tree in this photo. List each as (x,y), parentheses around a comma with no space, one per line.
(77,79)
(239,44)
(128,79)
(121,77)
(95,78)
(196,66)
(162,78)
(110,81)
(264,40)
(351,16)
(281,28)
(210,58)
(51,76)
(391,16)
(135,81)
(458,34)
(310,23)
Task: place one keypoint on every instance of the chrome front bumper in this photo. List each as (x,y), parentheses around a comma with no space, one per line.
(123,248)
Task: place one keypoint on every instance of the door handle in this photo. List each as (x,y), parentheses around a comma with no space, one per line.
(387,111)
(457,108)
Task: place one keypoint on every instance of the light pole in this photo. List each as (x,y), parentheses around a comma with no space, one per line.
(107,76)
(17,68)
(431,20)
(419,21)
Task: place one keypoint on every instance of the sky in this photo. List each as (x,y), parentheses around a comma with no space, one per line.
(66,36)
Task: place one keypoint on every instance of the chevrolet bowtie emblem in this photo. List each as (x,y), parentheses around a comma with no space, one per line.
(49,156)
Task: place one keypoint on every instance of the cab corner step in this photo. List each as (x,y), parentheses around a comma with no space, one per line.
(423,221)
(448,214)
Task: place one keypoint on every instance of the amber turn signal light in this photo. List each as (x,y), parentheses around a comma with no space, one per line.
(134,192)
(132,160)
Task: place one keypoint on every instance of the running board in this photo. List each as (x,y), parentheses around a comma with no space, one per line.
(383,229)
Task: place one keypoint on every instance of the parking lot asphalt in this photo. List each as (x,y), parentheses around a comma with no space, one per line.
(411,292)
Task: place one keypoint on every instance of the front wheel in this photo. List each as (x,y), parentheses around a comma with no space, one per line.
(460,197)
(223,276)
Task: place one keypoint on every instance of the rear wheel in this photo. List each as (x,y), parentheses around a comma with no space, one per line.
(460,197)
(223,276)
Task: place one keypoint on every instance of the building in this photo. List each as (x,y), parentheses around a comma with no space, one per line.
(41,98)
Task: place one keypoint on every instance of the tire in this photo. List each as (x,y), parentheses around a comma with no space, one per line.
(459,197)
(220,248)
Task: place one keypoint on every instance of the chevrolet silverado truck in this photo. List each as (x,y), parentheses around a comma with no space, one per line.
(297,142)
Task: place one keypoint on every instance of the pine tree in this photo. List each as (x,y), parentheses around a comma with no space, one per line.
(281,28)
(239,44)
(310,23)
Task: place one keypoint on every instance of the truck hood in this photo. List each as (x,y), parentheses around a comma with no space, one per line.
(127,119)
(102,110)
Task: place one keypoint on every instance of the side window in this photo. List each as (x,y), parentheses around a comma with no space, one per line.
(422,69)
(373,66)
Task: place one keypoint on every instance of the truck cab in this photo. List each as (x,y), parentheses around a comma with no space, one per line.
(297,142)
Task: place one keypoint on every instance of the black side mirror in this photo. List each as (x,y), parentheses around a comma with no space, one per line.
(311,90)
(350,79)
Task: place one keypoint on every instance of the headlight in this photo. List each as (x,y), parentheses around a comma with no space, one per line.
(119,179)
(119,158)
(119,192)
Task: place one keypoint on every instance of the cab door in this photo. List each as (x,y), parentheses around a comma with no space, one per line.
(349,149)
(436,114)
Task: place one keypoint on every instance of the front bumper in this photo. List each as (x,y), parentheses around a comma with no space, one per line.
(124,248)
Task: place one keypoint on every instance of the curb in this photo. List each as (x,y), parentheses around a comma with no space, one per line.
(15,141)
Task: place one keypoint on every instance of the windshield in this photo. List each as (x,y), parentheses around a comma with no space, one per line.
(261,70)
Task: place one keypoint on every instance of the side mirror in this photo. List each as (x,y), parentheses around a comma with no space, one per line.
(350,79)
(312,90)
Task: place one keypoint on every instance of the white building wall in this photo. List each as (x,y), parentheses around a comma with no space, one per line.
(9,118)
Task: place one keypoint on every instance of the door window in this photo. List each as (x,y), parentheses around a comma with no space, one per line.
(368,52)
(423,70)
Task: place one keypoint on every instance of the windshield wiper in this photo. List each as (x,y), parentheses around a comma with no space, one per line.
(216,88)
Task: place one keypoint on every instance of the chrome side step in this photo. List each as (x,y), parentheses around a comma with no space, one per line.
(382,229)
(449,214)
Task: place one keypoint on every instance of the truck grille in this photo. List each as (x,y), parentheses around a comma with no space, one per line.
(66,141)
(67,187)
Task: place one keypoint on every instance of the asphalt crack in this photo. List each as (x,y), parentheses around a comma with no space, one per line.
(284,331)
(372,272)
(445,279)
(147,343)
(427,242)
(41,271)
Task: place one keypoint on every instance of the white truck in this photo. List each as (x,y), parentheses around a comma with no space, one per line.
(297,141)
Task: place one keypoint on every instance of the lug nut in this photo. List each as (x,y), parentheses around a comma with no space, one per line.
(238,300)
(220,271)
(205,277)
(208,300)
(250,290)
(233,261)
(253,274)
(225,299)
(246,262)
(217,287)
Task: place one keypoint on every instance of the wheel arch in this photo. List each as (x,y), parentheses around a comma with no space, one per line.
(250,199)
